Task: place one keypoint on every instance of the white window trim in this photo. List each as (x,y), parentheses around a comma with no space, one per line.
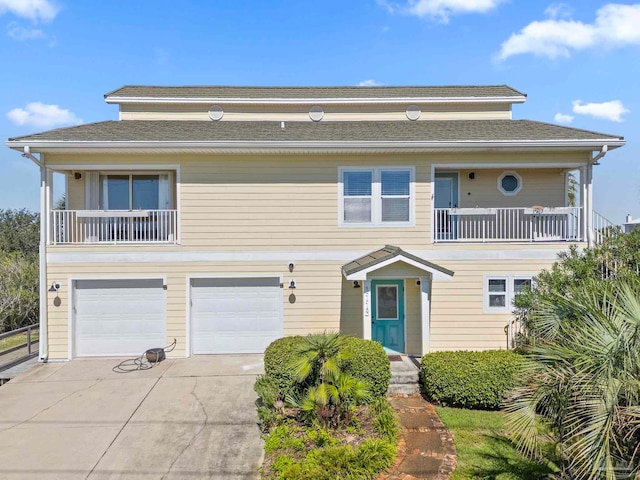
(510,291)
(507,173)
(376,197)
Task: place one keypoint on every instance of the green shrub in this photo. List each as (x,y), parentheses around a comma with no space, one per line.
(277,362)
(478,380)
(368,362)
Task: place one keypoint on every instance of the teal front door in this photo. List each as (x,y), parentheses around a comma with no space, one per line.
(387,313)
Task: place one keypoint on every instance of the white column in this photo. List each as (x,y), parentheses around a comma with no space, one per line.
(48,202)
(590,205)
(583,201)
(366,309)
(44,225)
(425,312)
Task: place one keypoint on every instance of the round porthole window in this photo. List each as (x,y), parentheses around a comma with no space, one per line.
(413,112)
(316,113)
(509,183)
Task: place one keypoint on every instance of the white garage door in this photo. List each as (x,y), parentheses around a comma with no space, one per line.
(119,317)
(235,315)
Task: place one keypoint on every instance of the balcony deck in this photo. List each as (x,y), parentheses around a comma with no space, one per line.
(114,227)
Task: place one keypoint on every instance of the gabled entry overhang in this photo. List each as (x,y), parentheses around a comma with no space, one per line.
(359,268)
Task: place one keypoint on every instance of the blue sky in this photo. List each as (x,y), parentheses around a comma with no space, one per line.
(579,59)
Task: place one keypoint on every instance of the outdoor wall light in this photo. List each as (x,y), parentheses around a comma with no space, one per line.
(292,284)
(472,175)
(54,287)
(291,266)
(356,284)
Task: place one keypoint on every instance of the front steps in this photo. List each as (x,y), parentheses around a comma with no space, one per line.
(404,377)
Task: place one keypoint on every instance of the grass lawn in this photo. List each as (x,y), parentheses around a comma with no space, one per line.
(484,452)
(19,339)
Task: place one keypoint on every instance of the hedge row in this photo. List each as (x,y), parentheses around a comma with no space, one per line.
(477,380)
(367,361)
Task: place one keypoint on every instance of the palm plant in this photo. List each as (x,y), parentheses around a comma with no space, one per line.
(329,394)
(582,384)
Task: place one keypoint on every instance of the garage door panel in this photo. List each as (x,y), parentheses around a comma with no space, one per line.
(119,317)
(235,315)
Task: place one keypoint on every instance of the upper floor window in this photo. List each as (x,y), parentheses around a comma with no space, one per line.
(135,191)
(509,183)
(379,196)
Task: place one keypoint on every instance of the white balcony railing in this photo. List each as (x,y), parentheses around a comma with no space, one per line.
(114,226)
(508,224)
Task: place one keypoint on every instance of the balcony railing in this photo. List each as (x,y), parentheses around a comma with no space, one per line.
(114,226)
(508,224)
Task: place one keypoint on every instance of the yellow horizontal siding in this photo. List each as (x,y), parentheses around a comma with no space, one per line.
(466,111)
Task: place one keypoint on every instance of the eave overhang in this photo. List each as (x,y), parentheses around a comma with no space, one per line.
(310,101)
(230,147)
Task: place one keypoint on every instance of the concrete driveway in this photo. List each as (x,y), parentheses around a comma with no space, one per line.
(185,418)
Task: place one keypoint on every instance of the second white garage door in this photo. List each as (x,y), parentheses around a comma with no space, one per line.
(235,315)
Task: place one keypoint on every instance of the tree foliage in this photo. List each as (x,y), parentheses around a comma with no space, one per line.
(19,231)
(581,335)
(19,243)
(614,259)
(582,382)
(18,291)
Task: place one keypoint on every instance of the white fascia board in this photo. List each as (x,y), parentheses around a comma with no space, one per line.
(306,101)
(43,145)
(362,274)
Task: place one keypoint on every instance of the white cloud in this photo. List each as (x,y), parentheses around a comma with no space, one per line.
(615,25)
(36,10)
(370,83)
(42,115)
(563,118)
(559,10)
(440,10)
(21,34)
(607,110)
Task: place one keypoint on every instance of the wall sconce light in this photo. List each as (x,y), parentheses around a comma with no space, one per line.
(292,284)
(472,175)
(418,282)
(291,266)
(77,175)
(356,284)
(54,287)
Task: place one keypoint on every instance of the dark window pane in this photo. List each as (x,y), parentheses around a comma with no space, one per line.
(395,209)
(519,284)
(497,300)
(395,182)
(509,183)
(114,194)
(357,183)
(146,190)
(498,285)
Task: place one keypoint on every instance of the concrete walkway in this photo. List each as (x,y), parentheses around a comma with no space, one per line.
(426,450)
(184,419)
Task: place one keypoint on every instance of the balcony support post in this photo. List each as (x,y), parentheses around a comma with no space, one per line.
(583,202)
(590,205)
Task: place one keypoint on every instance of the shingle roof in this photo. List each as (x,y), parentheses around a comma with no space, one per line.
(370,131)
(224,92)
(386,253)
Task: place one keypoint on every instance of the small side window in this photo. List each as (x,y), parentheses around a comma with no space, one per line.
(510,183)
(497,292)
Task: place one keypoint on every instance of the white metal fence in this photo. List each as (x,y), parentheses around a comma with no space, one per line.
(114,226)
(507,224)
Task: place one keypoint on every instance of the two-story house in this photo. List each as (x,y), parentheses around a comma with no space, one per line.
(226,217)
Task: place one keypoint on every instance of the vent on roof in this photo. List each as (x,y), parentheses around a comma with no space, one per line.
(316,113)
(413,112)
(216,112)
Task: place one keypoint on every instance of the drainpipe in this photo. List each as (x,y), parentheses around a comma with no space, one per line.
(594,161)
(44,334)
